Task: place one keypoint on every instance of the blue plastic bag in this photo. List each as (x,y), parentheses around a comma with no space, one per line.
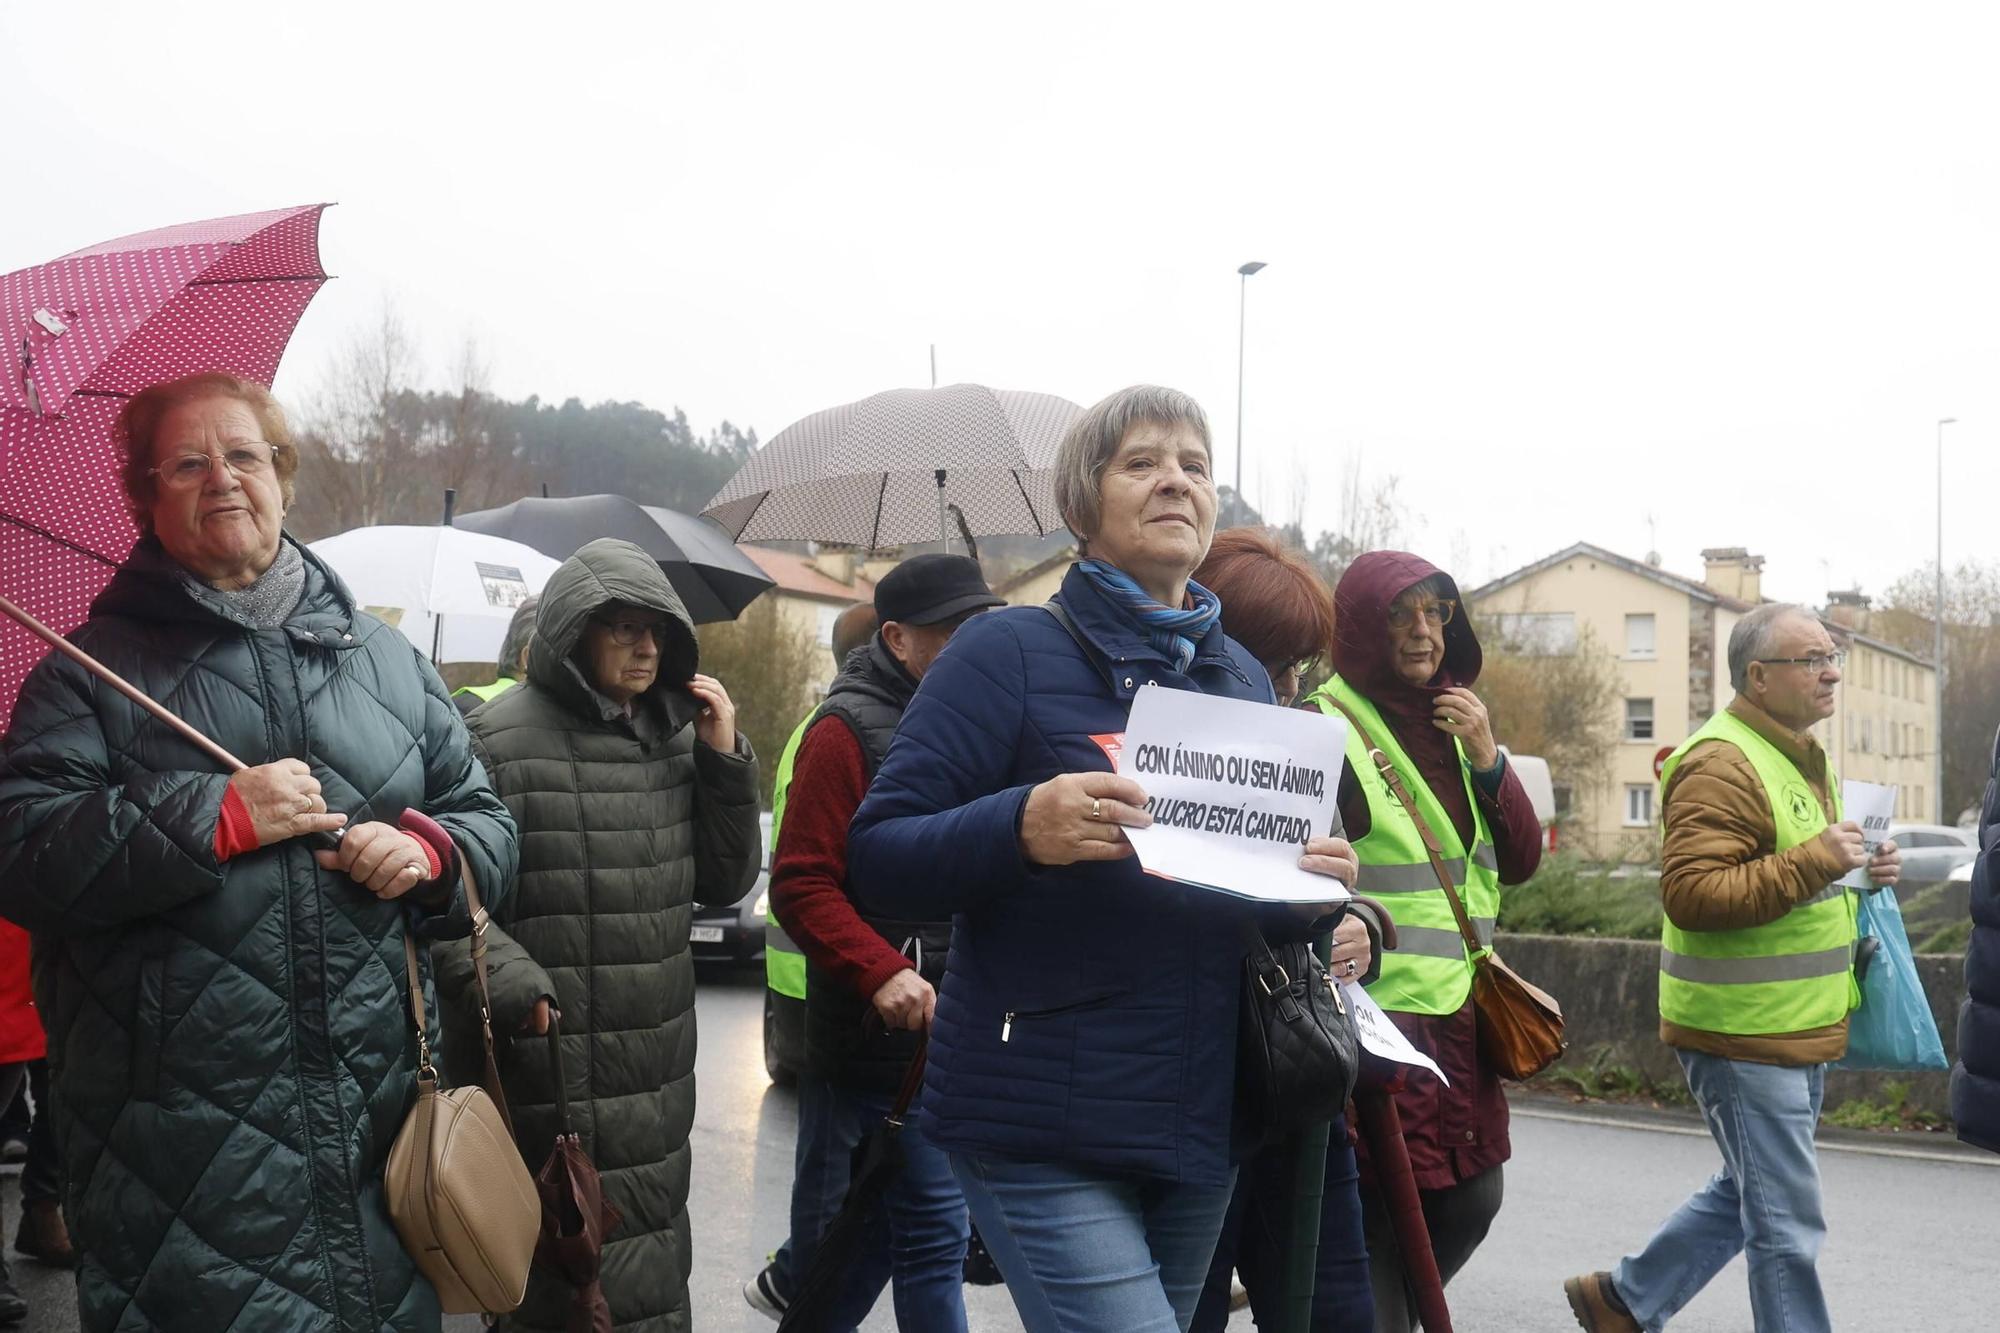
(1893,1028)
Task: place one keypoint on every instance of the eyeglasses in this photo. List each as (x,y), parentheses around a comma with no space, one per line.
(252,458)
(1815,664)
(1301,668)
(626,633)
(1438,613)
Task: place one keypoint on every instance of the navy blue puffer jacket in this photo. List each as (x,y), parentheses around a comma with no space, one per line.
(1975,1081)
(1088,1012)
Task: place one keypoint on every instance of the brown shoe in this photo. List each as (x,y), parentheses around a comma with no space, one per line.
(1596,1307)
(43,1235)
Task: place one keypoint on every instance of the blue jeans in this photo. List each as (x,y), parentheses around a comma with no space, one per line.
(1086,1252)
(916,1236)
(1765,1202)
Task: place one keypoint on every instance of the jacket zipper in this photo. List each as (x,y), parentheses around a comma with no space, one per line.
(1007,1019)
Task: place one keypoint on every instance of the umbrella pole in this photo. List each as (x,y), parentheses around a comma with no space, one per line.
(120,684)
(1382,1126)
(944,534)
(1306,1152)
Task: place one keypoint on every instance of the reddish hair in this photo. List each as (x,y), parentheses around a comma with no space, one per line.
(1273,601)
(139,422)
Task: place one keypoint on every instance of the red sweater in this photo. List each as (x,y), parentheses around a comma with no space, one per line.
(809,866)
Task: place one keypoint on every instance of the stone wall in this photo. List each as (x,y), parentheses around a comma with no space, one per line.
(1609,991)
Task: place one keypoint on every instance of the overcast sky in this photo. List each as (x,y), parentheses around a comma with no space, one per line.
(1570,272)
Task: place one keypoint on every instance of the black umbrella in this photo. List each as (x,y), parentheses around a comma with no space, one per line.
(714,579)
(876,1162)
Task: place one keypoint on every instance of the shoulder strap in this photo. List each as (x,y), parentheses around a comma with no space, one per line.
(492,1072)
(1090,654)
(1401,792)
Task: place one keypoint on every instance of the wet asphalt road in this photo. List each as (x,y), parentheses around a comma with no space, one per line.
(1914,1222)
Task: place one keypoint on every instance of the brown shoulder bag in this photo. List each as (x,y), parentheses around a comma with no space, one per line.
(458,1191)
(1520,1024)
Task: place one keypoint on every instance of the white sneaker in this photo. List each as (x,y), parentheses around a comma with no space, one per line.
(764,1295)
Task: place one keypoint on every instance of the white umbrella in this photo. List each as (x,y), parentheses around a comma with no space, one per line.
(420,578)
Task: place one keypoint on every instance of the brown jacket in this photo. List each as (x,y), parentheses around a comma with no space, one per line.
(1720,870)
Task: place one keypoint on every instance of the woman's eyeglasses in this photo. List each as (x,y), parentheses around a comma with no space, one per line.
(1438,613)
(626,633)
(184,472)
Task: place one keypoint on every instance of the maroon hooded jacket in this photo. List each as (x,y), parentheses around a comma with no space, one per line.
(1455,1132)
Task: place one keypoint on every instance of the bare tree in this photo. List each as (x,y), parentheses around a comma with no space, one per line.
(1972,663)
(1557,700)
(769,664)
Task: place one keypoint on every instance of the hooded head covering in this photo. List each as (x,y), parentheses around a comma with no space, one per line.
(1363,654)
(609,572)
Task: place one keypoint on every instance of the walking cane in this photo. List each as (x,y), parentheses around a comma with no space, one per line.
(1382,1127)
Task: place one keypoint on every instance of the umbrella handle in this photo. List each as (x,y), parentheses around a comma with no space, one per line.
(321,841)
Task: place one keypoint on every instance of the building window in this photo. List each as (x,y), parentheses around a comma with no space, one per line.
(827,615)
(1639,636)
(1638,719)
(1638,804)
(1867,661)
(1565,798)
(1919,751)
(1537,633)
(1922,690)
(1867,735)
(1917,807)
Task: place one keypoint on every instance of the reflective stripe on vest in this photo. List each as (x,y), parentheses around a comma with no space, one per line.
(784,964)
(1429,972)
(1789,975)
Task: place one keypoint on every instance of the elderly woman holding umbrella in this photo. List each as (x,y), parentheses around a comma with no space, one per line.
(229,1037)
(1084,1043)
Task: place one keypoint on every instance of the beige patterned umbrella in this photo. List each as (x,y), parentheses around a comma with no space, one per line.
(882,471)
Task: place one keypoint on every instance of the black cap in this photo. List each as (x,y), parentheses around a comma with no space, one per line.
(926,589)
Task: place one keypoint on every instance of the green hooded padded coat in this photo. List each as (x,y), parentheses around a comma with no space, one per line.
(230,1046)
(626,823)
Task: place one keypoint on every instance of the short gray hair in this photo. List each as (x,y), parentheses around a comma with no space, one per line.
(1755,637)
(1095,436)
(520,632)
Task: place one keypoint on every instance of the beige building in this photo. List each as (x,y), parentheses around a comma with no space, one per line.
(1669,636)
(1038,582)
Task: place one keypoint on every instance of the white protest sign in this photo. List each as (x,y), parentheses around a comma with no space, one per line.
(1872,806)
(1381,1037)
(1235,790)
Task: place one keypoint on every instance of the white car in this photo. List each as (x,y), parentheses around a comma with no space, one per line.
(1931,852)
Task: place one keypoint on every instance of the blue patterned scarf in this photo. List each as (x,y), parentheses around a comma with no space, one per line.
(1173,630)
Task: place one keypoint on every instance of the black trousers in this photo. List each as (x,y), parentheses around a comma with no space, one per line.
(1457,1218)
(41,1174)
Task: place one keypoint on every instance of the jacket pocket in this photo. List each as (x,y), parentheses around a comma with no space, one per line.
(1090,1001)
(149,1024)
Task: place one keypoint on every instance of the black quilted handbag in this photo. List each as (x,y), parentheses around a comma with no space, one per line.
(1297,1050)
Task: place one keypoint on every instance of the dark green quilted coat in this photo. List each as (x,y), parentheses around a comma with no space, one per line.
(230,1044)
(626,823)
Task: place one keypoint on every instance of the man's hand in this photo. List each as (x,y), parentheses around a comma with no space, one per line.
(1351,955)
(1077,817)
(1845,843)
(716,725)
(383,860)
(1886,866)
(905,1001)
(538,1018)
(284,801)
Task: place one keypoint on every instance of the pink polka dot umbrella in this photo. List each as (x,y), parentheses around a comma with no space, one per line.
(84,332)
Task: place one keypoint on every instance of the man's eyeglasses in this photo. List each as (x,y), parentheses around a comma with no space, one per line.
(1815,664)
(1438,613)
(626,633)
(252,458)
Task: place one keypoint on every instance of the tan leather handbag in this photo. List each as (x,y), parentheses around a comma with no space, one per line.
(1520,1024)
(459,1193)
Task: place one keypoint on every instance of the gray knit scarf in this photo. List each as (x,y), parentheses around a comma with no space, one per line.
(266,603)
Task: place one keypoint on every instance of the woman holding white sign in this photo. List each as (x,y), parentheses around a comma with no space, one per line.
(1406,658)
(1084,1044)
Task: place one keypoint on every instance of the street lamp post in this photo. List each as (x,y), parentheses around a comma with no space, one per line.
(1937,620)
(1242,308)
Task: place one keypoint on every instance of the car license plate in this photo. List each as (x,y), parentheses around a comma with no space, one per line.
(705,934)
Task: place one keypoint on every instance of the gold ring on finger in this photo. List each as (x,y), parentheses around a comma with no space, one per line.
(1096,809)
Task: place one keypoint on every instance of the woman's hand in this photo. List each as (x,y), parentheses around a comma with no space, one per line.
(1351,957)
(284,801)
(716,727)
(1079,817)
(1459,712)
(383,860)
(1333,857)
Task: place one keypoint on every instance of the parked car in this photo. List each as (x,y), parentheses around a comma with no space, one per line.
(1932,851)
(736,934)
